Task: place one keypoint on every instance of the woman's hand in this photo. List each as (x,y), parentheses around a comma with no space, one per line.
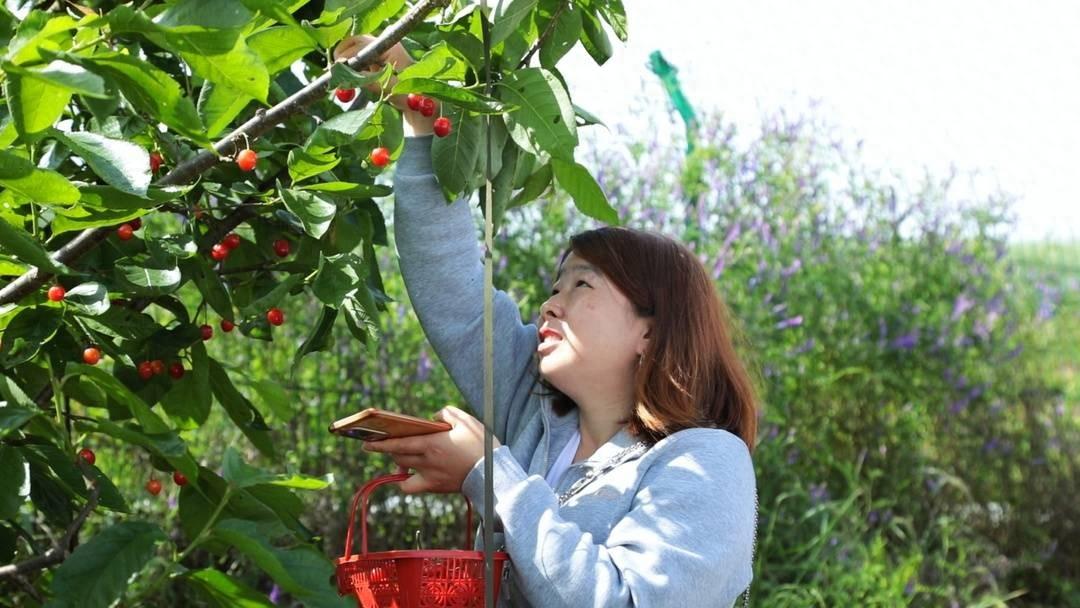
(441,460)
(397,57)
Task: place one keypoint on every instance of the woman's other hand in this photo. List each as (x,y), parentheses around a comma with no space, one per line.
(397,57)
(440,461)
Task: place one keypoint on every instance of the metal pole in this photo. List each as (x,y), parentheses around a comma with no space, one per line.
(489,332)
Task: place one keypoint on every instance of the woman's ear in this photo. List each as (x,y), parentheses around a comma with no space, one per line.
(643,341)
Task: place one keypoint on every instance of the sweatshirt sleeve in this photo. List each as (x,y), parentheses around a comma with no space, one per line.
(441,263)
(692,520)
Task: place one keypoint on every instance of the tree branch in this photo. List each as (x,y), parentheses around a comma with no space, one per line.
(62,550)
(262,122)
(544,36)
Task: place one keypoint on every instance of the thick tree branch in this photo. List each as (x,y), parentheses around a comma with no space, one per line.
(62,550)
(262,122)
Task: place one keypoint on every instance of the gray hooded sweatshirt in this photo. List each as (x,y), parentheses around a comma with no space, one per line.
(670,526)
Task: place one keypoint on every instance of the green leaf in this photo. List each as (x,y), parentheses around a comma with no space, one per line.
(280,46)
(188,402)
(27,332)
(89,298)
(14,478)
(144,279)
(544,121)
(613,12)
(535,185)
(150,90)
(595,41)
(97,573)
(454,156)
(337,277)
(180,245)
(342,76)
(218,105)
(13,416)
(299,569)
(243,475)
(122,164)
(168,446)
(73,78)
(199,15)
(315,211)
(439,62)
(236,67)
(27,249)
(240,410)
(341,130)
(580,185)
(563,38)
(210,286)
(350,190)
(39,185)
(124,323)
(70,478)
(35,104)
(273,396)
(150,421)
(465,98)
(304,165)
(223,591)
(273,297)
(509,18)
(321,337)
(329,35)
(374,13)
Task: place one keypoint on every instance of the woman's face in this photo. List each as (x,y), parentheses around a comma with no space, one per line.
(589,331)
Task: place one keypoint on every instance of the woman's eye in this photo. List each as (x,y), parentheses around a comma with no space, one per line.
(580,283)
(554,291)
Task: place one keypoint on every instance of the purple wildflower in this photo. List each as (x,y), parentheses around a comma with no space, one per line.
(790,322)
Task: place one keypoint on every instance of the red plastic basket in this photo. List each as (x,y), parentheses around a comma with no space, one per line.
(412,579)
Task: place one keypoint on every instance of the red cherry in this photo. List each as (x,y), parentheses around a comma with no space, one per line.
(275,316)
(246,159)
(125,232)
(156,161)
(414,101)
(179,478)
(88,455)
(231,241)
(427,106)
(345,95)
(227,325)
(281,248)
(206,332)
(219,252)
(153,487)
(380,157)
(136,223)
(157,366)
(146,370)
(176,370)
(442,126)
(91,355)
(57,293)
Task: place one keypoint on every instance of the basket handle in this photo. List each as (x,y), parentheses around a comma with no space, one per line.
(364,493)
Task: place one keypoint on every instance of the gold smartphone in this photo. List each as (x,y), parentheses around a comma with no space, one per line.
(373,424)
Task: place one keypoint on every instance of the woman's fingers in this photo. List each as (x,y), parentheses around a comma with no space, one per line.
(405,445)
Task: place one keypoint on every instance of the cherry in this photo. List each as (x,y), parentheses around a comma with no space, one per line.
(88,455)
(442,126)
(231,241)
(246,159)
(206,332)
(125,232)
(156,161)
(157,366)
(227,325)
(219,252)
(275,316)
(427,106)
(136,223)
(414,101)
(153,487)
(281,248)
(380,157)
(345,95)
(179,478)
(91,355)
(57,293)
(176,370)
(146,370)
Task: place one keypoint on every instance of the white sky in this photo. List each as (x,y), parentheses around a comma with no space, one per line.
(988,86)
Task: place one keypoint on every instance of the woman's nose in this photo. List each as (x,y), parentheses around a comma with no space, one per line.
(550,308)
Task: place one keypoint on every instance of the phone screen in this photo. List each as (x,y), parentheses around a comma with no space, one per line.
(363,434)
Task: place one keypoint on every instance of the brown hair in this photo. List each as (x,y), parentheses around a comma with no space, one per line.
(690,375)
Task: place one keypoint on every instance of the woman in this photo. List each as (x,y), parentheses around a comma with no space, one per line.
(624,418)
